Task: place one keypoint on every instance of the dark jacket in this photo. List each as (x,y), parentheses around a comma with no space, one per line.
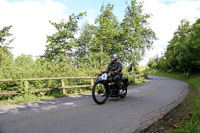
(115,68)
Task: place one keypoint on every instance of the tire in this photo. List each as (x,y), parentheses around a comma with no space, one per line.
(99,93)
(123,89)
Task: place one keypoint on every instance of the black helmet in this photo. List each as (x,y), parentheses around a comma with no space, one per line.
(114,57)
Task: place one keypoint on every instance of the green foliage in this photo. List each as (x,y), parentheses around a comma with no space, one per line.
(85,42)
(60,45)
(175,50)
(24,67)
(4,35)
(107,33)
(153,63)
(24,98)
(137,37)
(183,51)
(98,42)
(6,57)
(5,40)
(129,39)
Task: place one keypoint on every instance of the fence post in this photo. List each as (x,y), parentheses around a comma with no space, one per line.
(26,86)
(50,82)
(92,82)
(135,78)
(63,85)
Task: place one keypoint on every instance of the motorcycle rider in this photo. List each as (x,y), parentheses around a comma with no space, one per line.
(115,69)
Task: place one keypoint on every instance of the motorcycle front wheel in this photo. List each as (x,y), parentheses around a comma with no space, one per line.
(99,93)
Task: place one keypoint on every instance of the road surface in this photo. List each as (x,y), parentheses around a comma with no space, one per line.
(144,104)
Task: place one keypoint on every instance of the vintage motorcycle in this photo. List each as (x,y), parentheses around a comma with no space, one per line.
(104,87)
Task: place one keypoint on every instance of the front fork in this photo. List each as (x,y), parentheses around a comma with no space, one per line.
(105,83)
(107,87)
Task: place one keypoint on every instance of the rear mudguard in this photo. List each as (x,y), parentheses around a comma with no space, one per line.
(125,80)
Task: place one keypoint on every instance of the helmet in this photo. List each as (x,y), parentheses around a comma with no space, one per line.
(114,57)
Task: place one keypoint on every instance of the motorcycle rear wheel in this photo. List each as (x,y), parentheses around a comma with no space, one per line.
(123,90)
(99,93)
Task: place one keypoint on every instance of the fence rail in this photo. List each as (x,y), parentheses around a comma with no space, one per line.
(4,80)
(63,85)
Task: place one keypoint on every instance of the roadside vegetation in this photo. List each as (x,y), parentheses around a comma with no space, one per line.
(186,117)
(67,55)
(181,61)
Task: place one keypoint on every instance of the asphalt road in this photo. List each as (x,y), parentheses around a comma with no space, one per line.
(144,104)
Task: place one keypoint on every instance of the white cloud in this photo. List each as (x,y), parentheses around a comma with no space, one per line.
(91,16)
(165,20)
(92,11)
(30,20)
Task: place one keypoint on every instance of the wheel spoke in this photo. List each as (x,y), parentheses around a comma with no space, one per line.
(100,92)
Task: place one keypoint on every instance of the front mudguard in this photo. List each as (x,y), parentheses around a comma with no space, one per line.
(105,82)
(98,81)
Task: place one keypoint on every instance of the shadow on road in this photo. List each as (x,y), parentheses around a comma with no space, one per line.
(41,105)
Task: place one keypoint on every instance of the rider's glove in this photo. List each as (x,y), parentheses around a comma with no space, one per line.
(115,71)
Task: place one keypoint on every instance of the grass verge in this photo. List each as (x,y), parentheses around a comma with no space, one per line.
(40,96)
(186,117)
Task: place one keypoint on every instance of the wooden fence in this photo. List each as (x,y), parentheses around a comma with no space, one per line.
(137,77)
(63,86)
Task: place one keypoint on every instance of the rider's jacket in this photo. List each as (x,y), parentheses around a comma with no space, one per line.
(115,68)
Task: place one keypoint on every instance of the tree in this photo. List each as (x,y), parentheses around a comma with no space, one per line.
(106,39)
(137,37)
(183,51)
(108,31)
(97,43)
(61,44)
(4,34)
(5,54)
(24,60)
(84,42)
(176,51)
(129,39)
(192,48)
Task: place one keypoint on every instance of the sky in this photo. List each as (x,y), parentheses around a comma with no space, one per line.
(30,20)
